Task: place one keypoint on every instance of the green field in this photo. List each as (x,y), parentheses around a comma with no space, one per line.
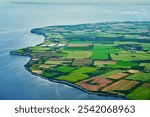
(86,70)
(86,48)
(79,42)
(73,77)
(39,49)
(77,75)
(20,51)
(64,69)
(102,52)
(140,76)
(120,65)
(130,57)
(49,75)
(126,63)
(146,65)
(79,54)
(141,93)
(146,46)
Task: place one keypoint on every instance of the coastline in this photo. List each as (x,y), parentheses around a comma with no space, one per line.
(62,82)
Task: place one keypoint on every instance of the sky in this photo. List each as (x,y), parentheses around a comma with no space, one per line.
(86,1)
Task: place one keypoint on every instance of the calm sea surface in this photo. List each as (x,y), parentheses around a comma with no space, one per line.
(16,21)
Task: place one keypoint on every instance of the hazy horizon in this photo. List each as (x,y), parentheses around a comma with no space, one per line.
(84,1)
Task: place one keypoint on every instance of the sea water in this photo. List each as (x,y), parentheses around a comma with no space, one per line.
(16,21)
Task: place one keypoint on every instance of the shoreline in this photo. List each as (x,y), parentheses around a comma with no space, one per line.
(67,83)
(63,82)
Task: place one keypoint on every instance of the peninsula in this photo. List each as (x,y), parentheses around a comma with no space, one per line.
(110,58)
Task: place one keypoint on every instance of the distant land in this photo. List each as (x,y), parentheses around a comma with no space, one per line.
(53,3)
(111,58)
(76,3)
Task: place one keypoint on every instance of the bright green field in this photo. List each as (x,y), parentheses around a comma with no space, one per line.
(73,77)
(79,54)
(122,64)
(20,51)
(64,69)
(86,48)
(39,49)
(77,75)
(86,70)
(102,52)
(49,75)
(126,63)
(140,76)
(141,93)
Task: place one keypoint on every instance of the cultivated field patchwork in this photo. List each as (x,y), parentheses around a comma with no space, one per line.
(110,58)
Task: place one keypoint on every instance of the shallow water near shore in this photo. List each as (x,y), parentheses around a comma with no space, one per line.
(16,22)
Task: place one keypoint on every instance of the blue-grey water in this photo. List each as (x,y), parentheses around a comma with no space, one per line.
(16,21)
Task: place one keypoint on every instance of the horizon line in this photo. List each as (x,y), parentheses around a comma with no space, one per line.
(75,3)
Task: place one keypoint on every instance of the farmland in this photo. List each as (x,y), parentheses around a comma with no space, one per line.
(82,62)
(79,54)
(146,65)
(141,93)
(121,87)
(111,73)
(140,76)
(130,57)
(94,84)
(101,63)
(102,52)
(110,58)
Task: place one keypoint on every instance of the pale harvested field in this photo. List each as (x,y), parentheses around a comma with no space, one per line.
(133,71)
(118,76)
(35,59)
(45,66)
(37,71)
(104,62)
(94,84)
(120,87)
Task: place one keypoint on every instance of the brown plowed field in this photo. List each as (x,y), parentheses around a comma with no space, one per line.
(120,87)
(94,84)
